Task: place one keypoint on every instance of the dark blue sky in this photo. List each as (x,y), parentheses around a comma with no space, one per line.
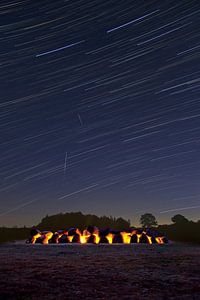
(99,108)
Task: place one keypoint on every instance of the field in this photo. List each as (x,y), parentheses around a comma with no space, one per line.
(72,271)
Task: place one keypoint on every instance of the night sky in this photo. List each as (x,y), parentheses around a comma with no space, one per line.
(99,108)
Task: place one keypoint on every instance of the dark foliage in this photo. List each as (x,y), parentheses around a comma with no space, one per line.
(179,219)
(182,230)
(148,220)
(12,234)
(81,221)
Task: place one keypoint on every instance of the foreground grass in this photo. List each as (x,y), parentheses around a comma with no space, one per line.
(73,271)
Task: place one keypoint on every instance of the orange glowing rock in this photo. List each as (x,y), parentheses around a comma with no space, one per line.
(126,237)
(46,237)
(160,240)
(84,237)
(96,238)
(138,237)
(58,235)
(109,238)
(149,239)
(93,235)
(35,237)
(70,238)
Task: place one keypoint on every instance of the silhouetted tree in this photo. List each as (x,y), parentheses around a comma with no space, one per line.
(179,219)
(148,220)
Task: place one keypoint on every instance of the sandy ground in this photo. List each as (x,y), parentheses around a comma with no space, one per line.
(136,271)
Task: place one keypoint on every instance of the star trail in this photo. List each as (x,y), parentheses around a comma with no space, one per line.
(99,109)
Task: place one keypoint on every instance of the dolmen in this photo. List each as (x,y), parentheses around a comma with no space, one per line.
(94,235)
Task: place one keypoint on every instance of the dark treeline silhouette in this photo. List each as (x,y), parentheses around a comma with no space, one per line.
(12,234)
(64,221)
(81,221)
(182,230)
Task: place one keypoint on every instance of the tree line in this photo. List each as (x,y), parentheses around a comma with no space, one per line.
(181,229)
(81,221)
